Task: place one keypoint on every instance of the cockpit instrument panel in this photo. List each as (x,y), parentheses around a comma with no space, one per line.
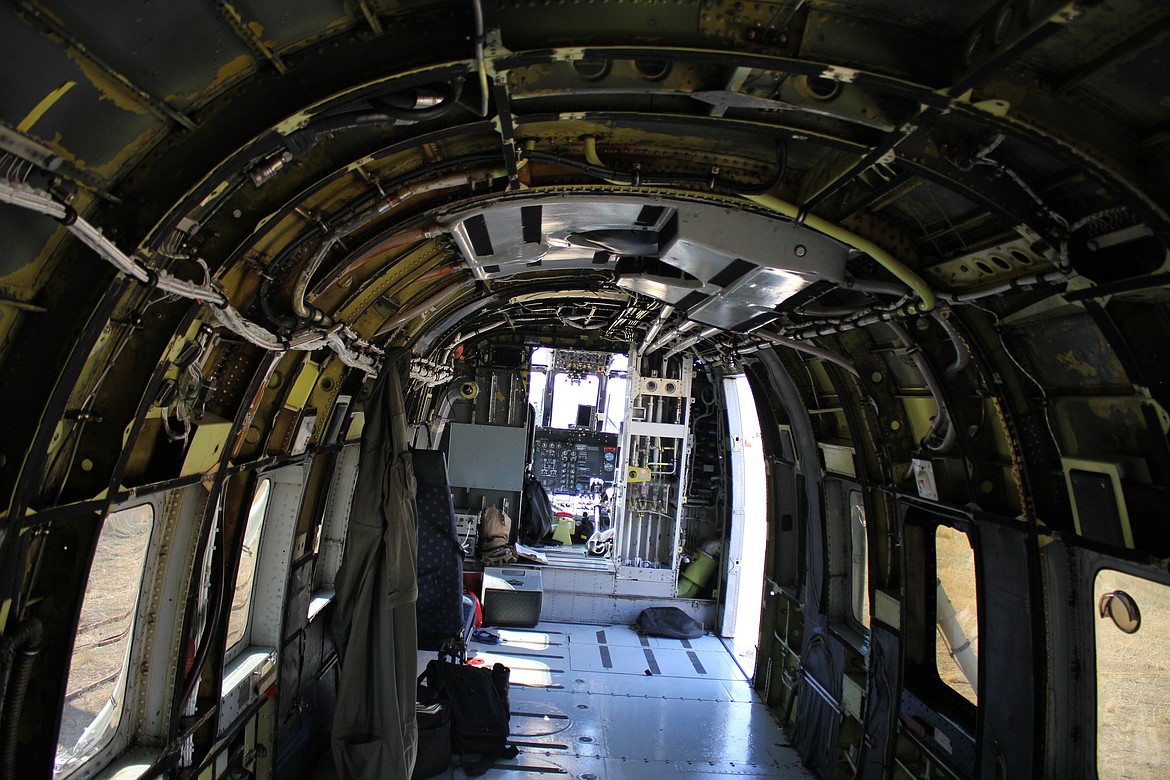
(566,460)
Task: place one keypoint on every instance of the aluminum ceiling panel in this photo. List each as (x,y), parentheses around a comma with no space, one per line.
(727,313)
(500,227)
(710,238)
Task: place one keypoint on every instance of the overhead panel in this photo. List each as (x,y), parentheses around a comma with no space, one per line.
(722,266)
(505,239)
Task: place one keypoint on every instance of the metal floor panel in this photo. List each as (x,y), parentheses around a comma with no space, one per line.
(653,662)
(624,635)
(570,719)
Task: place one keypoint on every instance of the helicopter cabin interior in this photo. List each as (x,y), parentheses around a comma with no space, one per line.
(841,325)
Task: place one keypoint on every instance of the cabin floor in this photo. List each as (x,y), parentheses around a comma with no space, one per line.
(595,702)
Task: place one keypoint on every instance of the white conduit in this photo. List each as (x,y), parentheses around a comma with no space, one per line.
(351,350)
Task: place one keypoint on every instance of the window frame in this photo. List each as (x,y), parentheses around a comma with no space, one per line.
(863,621)
(920,610)
(598,382)
(968,533)
(837,493)
(141,639)
(233,650)
(1096,621)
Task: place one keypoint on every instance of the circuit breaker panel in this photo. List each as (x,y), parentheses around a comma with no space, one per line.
(653,455)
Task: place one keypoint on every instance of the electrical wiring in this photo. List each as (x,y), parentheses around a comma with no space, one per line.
(352,350)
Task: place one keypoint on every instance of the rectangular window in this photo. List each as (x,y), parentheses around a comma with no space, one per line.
(615,404)
(568,395)
(95,692)
(1132,633)
(537,381)
(246,571)
(956,613)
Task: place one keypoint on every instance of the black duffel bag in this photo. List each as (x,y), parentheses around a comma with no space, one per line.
(434,735)
(479,714)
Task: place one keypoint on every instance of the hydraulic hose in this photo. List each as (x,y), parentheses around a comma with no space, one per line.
(411,236)
(809,349)
(19,649)
(436,300)
(962,353)
(416,105)
(391,109)
(942,434)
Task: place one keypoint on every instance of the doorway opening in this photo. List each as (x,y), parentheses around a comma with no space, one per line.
(744,572)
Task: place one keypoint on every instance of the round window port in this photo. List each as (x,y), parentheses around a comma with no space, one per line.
(1120,607)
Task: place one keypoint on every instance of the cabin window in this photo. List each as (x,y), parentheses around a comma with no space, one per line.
(615,403)
(574,401)
(859,559)
(96,690)
(246,571)
(537,382)
(1132,632)
(956,613)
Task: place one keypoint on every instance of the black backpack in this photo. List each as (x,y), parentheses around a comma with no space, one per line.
(536,519)
(669,622)
(477,699)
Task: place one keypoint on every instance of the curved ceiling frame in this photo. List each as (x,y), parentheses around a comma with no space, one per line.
(928,164)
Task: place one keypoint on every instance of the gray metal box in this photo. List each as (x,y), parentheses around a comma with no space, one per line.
(488,457)
(511,597)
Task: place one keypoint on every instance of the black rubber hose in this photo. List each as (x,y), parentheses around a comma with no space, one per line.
(203,652)
(399,105)
(576,165)
(771,184)
(384,112)
(699,181)
(19,649)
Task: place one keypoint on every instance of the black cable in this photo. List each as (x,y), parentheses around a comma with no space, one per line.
(215,597)
(697,181)
(400,105)
(388,110)
(19,649)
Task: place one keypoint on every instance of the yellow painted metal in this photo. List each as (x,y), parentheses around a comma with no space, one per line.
(357,424)
(1114,471)
(638,474)
(303,385)
(852,693)
(887,608)
(920,410)
(838,459)
(564,530)
(46,103)
(206,446)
